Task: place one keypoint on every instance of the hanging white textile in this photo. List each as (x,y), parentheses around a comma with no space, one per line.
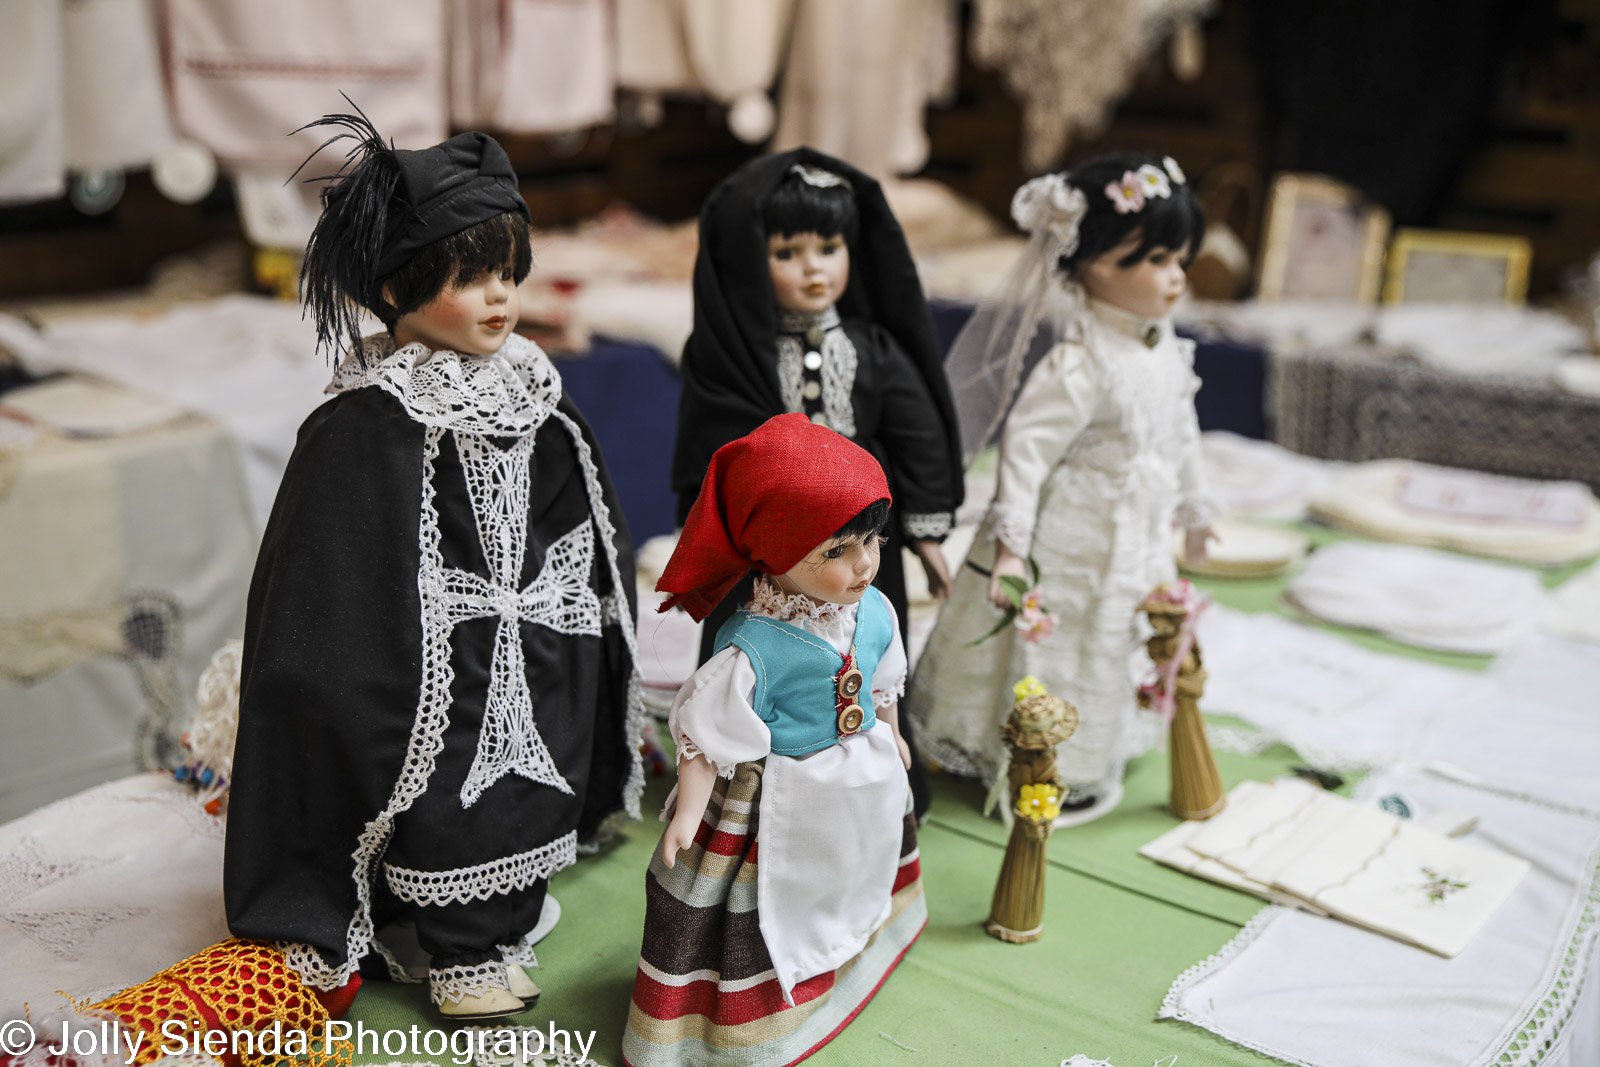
(246,74)
(33,135)
(115,103)
(857,77)
(556,68)
(735,47)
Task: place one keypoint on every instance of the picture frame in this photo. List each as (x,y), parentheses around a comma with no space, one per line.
(1323,240)
(1450,266)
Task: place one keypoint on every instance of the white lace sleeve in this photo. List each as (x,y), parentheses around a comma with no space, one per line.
(712,718)
(889,679)
(1057,401)
(1196,506)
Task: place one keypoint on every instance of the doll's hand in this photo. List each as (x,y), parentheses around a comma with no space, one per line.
(905,749)
(933,565)
(1196,540)
(1007,564)
(680,835)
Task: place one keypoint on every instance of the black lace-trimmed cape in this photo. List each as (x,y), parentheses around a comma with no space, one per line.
(333,669)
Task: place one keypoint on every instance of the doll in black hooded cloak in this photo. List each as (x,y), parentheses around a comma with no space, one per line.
(438,698)
(806,299)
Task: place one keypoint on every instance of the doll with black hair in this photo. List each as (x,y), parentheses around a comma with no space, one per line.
(787,886)
(1073,365)
(807,300)
(438,697)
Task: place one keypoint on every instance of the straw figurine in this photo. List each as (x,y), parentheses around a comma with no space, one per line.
(1038,723)
(1173,609)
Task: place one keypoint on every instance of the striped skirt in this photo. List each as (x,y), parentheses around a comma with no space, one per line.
(706,993)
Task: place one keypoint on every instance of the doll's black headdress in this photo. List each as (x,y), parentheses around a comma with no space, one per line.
(383,206)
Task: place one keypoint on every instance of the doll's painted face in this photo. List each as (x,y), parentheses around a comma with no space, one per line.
(809,270)
(837,571)
(1149,288)
(473,319)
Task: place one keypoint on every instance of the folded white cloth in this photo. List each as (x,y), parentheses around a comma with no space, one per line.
(1315,991)
(1259,478)
(1419,596)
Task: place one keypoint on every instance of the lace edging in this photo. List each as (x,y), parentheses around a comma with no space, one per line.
(929,525)
(455,984)
(1012,529)
(484,880)
(767,599)
(1170,1008)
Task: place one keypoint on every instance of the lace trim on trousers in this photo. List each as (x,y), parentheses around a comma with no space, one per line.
(457,983)
(484,880)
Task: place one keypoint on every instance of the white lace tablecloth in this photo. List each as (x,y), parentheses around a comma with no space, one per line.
(1321,993)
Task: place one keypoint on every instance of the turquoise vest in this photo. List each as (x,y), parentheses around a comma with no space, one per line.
(795,694)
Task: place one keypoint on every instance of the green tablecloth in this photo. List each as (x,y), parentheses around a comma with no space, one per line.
(1118,930)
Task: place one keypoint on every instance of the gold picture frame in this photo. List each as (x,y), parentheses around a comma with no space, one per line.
(1449,266)
(1323,240)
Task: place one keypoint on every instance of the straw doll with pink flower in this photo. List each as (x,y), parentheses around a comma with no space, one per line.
(1073,369)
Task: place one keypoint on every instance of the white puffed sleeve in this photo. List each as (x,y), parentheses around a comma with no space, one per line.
(1056,403)
(712,717)
(889,679)
(1196,507)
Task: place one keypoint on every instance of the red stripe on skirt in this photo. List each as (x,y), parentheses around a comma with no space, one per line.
(668,1002)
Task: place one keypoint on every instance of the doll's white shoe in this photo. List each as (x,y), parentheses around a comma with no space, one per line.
(478,1007)
(521,985)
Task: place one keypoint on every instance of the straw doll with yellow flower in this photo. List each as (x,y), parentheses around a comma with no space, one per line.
(1038,723)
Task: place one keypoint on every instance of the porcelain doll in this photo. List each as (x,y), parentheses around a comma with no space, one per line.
(437,698)
(807,300)
(1099,458)
(788,744)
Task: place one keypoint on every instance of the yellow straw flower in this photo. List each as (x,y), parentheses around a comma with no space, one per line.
(1038,803)
(1028,687)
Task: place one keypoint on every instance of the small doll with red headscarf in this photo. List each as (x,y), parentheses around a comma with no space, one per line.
(788,743)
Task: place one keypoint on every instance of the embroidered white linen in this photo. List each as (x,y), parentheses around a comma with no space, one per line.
(1526,723)
(1312,991)
(1420,596)
(1367,499)
(105,888)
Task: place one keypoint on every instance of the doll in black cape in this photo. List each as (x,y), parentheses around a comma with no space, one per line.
(438,697)
(806,299)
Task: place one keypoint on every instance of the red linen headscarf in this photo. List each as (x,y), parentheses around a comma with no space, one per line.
(768,499)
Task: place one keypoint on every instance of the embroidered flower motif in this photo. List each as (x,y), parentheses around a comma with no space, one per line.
(1053,204)
(1154,181)
(1029,686)
(1127,194)
(1038,803)
(1174,171)
(1438,886)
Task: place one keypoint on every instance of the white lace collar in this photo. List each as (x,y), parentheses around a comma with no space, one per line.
(509,393)
(796,608)
(800,322)
(1148,332)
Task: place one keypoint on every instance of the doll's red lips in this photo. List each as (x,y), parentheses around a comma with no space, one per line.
(495,323)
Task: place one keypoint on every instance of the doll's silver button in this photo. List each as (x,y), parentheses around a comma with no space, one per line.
(1152,336)
(820,419)
(812,390)
(813,360)
(814,337)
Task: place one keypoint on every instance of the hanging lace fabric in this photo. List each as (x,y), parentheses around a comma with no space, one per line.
(1032,309)
(1070,61)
